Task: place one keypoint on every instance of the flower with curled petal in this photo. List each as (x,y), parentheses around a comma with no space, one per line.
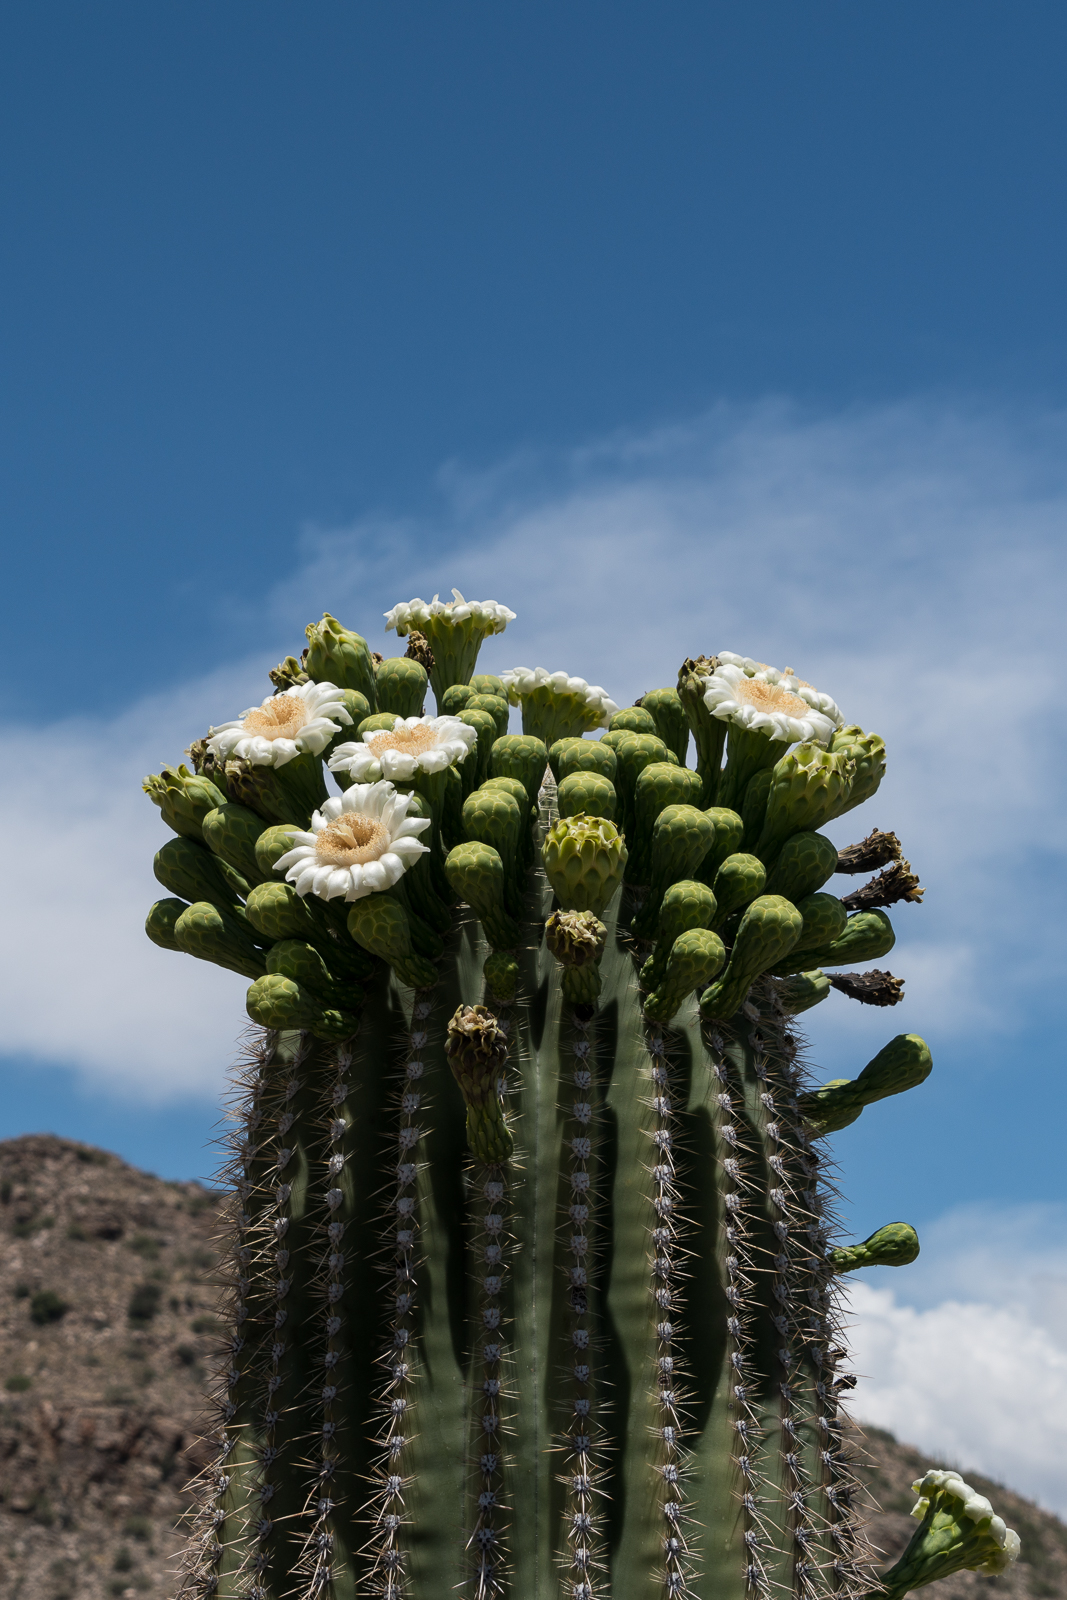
(302,721)
(359,844)
(959,1532)
(555,705)
(761,699)
(454,630)
(429,744)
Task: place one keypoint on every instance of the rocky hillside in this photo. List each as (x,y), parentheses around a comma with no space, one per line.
(106,1329)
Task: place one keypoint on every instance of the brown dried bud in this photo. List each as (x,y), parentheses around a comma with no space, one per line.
(419,650)
(700,667)
(575,938)
(376,658)
(869,988)
(875,851)
(207,765)
(897,882)
(477,1049)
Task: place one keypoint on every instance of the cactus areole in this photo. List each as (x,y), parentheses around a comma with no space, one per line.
(532,1261)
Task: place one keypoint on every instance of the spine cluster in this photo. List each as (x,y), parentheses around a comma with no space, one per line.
(487,1538)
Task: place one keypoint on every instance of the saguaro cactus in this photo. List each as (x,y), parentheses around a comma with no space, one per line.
(534,1267)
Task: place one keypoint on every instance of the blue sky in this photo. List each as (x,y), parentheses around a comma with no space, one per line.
(673,329)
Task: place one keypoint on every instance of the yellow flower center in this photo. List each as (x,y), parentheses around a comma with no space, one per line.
(410,741)
(281,716)
(769,697)
(351,840)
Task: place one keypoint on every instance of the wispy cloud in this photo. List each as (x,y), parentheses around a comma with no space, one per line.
(968,1357)
(911,560)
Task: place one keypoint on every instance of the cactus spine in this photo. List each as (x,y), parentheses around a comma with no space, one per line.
(534,1261)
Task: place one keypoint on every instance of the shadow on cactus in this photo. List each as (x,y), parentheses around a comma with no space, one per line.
(534,1268)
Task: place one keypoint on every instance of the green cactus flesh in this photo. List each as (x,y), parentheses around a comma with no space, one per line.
(534,1281)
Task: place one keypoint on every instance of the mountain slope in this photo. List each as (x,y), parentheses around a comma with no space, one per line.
(106,1337)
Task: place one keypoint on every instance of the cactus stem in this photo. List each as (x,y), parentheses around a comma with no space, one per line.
(487,1542)
(399,1360)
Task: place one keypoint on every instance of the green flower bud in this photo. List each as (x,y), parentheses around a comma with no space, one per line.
(161,922)
(824,921)
(803,864)
(489,683)
(204,931)
(768,930)
(634,752)
(275,1001)
(582,755)
(902,1064)
(809,786)
(895,1245)
(519,755)
(635,719)
(497,707)
(288,674)
(279,794)
(737,883)
(959,1531)
(206,764)
(334,655)
(658,786)
(276,912)
(493,816)
(191,871)
(586,792)
(868,754)
(381,925)
(501,974)
(681,838)
(709,733)
(296,959)
(377,722)
(401,686)
(477,1050)
(272,844)
(231,832)
(802,991)
(612,740)
(727,841)
(454,700)
(584,858)
(476,874)
(184,799)
(867,936)
(474,771)
(668,714)
(687,904)
(527,847)
(694,959)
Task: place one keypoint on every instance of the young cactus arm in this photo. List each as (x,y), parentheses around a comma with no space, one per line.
(895,1245)
(669,717)
(958,1531)
(901,1064)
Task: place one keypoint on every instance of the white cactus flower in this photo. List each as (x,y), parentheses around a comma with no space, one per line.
(1005,1543)
(761,699)
(588,699)
(427,743)
(301,721)
(487,615)
(359,844)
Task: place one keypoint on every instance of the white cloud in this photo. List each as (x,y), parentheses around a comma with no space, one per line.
(909,559)
(968,1358)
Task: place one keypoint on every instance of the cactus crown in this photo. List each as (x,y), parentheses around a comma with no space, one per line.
(533,1267)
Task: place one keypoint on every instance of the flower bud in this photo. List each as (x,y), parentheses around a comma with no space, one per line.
(737,883)
(184,799)
(501,973)
(767,931)
(802,991)
(803,864)
(634,719)
(809,786)
(334,655)
(476,874)
(582,755)
(958,1531)
(867,752)
(401,685)
(584,858)
(190,870)
(210,934)
(824,921)
(668,714)
(867,936)
(686,904)
(231,833)
(709,733)
(586,792)
(895,1245)
(300,961)
(902,1064)
(380,924)
(521,756)
(477,1050)
(681,838)
(277,1002)
(694,959)
(161,922)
